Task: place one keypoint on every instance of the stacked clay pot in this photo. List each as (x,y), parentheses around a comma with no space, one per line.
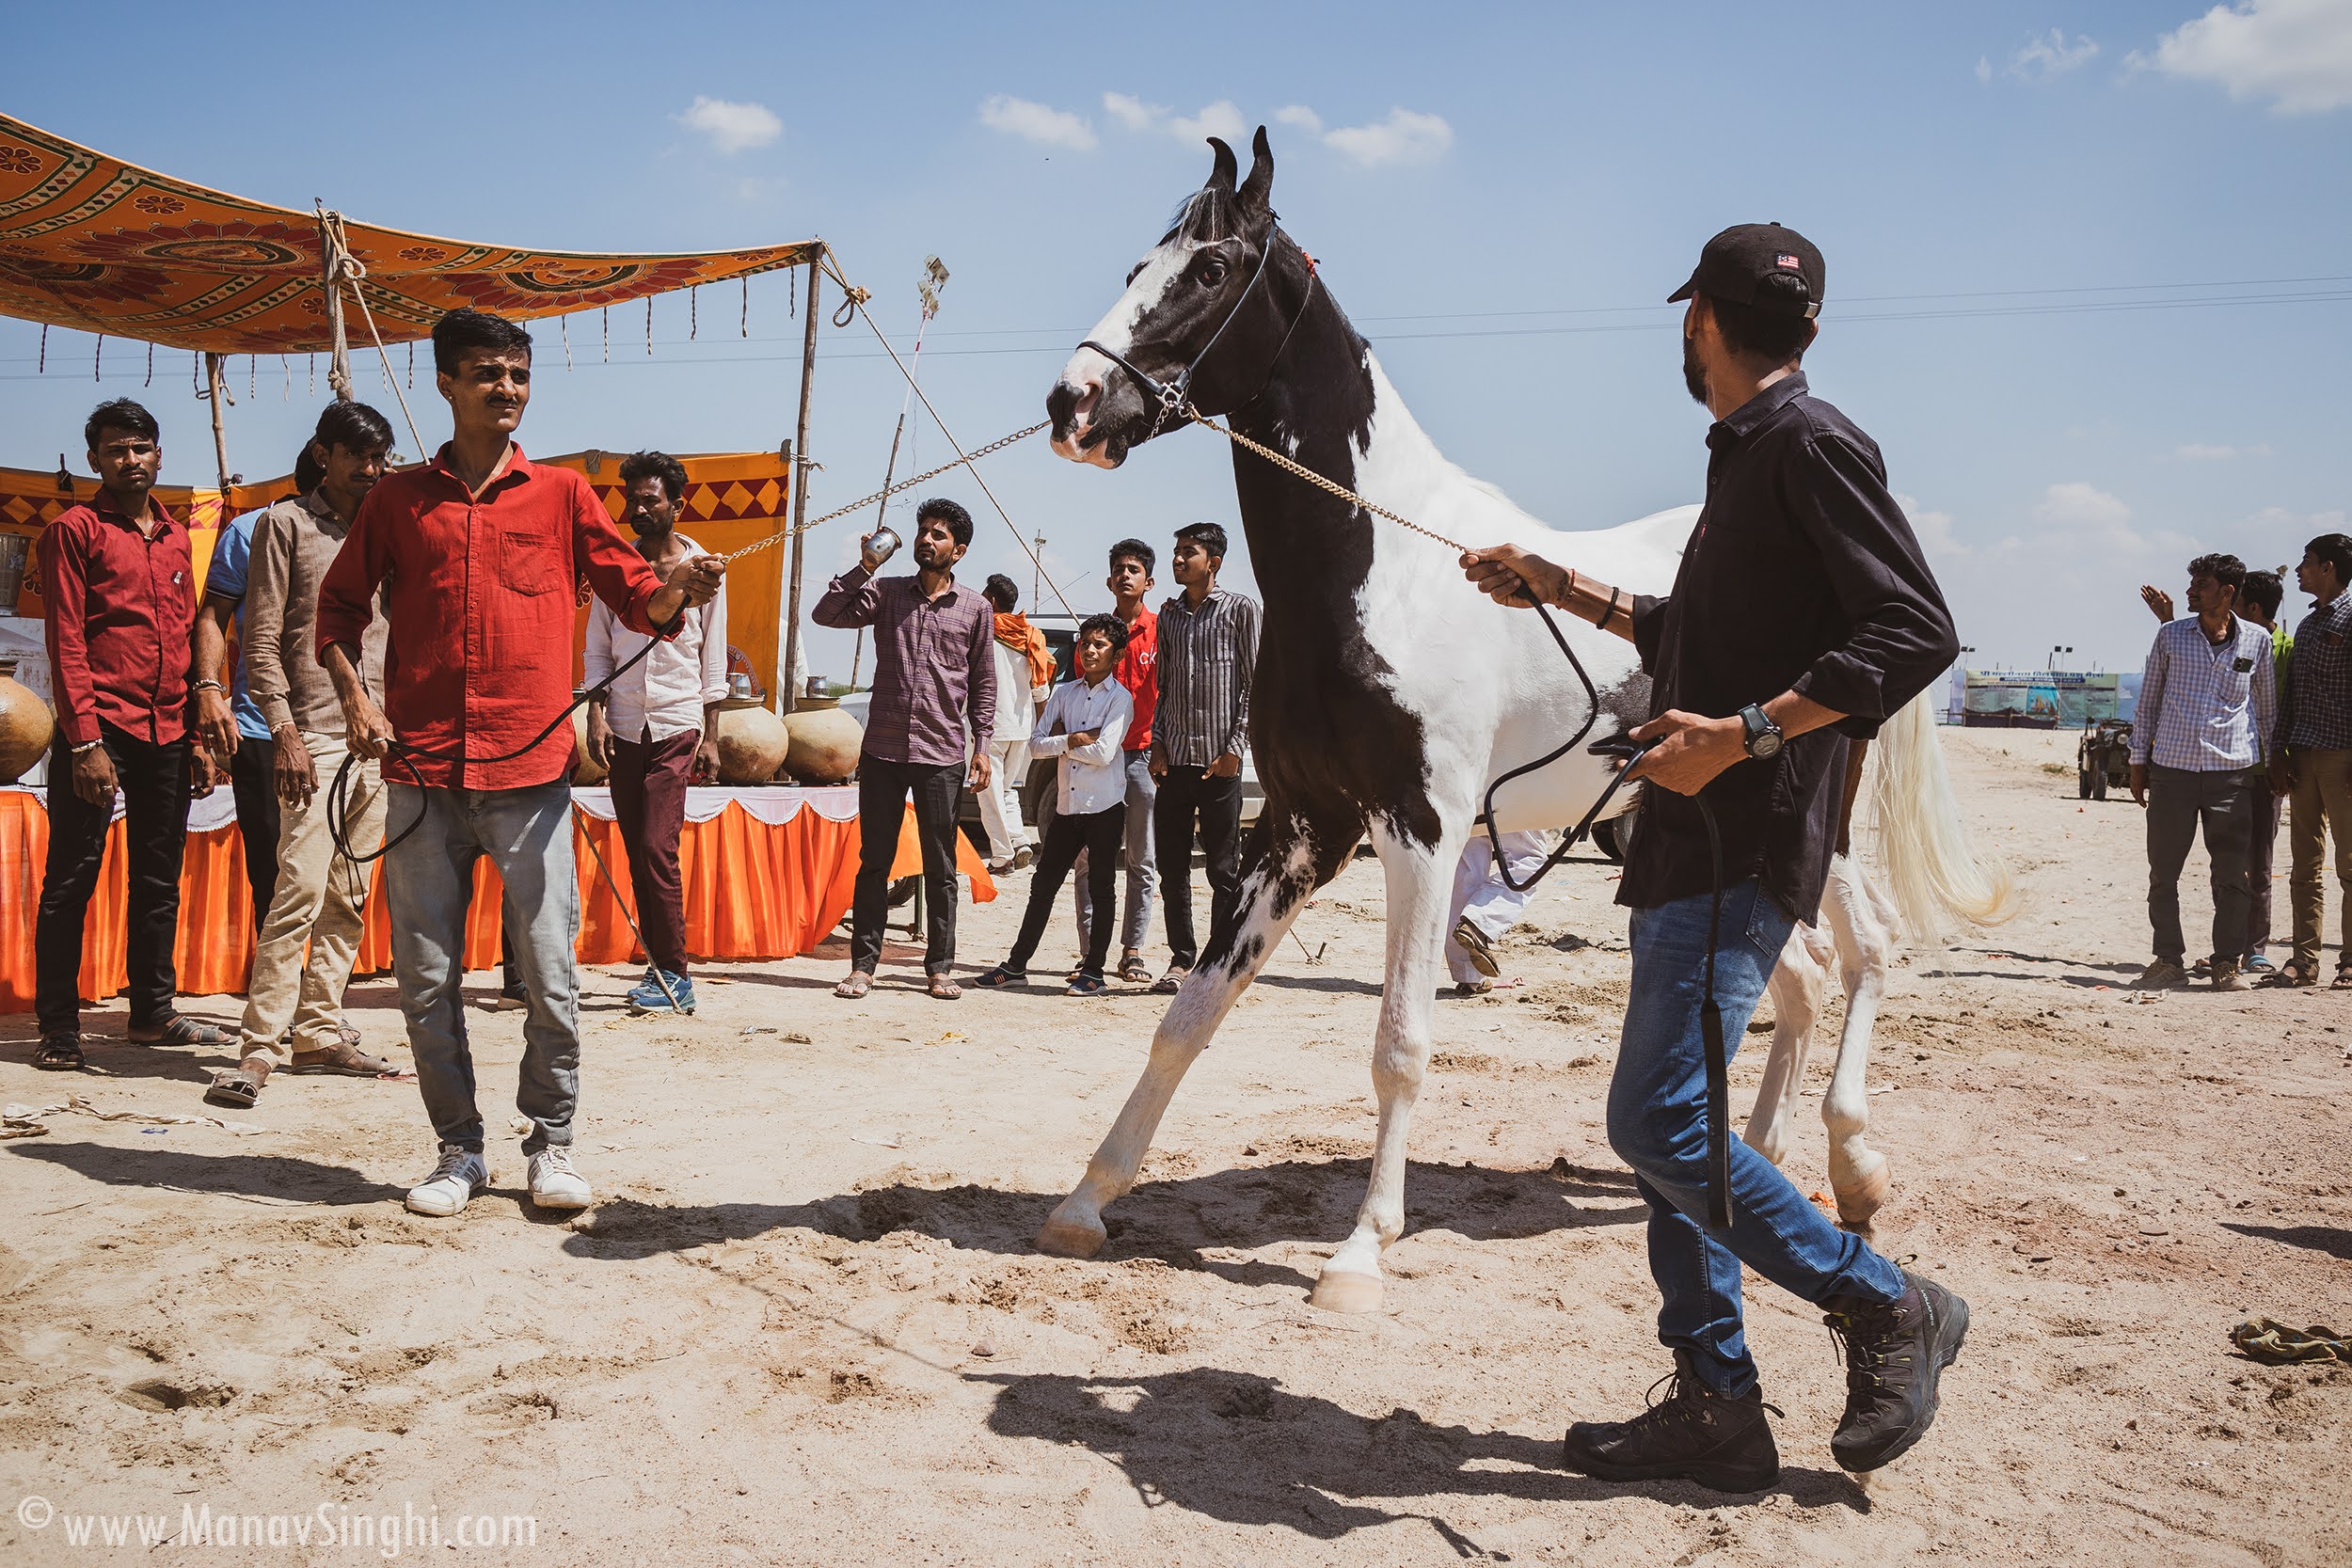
(752,744)
(825,742)
(27,727)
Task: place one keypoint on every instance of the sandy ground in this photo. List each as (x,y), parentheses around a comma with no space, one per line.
(806,1325)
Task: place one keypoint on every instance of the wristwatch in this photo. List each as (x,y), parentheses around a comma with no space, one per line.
(1764,739)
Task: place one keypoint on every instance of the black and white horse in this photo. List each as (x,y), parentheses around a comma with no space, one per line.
(1387,691)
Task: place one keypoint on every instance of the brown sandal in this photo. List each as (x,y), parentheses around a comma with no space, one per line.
(235,1088)
(944,987)
(859,982)
(60,1053)
(342,1057)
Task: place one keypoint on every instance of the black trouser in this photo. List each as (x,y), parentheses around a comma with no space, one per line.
(2222,803)
(154,784)
(883,788)
(1098,832)
(1187,793)
(252,778)
(2259,854)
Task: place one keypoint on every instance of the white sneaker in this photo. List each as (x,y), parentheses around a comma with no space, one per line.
(553,1182)
(460,1174)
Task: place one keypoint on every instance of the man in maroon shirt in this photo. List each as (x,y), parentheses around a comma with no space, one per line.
(119,592)
(477,553)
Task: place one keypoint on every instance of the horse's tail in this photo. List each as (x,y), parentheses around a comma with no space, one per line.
(1931,869)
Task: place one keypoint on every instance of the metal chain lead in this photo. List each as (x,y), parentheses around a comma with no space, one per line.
(863,501)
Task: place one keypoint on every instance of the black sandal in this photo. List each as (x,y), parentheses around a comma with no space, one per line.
(180,1029)
(1000,977)
(59,1053)
(1087,984)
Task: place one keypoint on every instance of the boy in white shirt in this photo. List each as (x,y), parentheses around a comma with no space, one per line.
(1084,722)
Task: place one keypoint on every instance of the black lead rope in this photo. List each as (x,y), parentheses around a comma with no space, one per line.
(339,792)
(1710,1011)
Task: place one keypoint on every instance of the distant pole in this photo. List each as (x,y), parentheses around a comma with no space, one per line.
(217,390)
(1036,574)
(800,496)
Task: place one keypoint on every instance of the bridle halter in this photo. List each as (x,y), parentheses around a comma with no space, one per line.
(1174,398)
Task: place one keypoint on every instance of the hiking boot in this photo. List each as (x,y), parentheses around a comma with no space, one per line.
(2163,975)
(1693,1434)
(2227,976)
(1895,1353)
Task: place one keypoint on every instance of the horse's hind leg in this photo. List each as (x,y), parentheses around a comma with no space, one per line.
(1796,988)
(1858,1173)
(1285,861)
(1419,880)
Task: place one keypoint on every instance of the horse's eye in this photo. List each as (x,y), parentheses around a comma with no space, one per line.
(1212,273)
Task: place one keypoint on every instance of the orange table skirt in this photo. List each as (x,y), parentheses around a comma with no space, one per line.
(752,890)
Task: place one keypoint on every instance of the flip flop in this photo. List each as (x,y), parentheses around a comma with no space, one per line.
(857,985)
(180,1029)
(59,1053)
(236,1088)
(944,987)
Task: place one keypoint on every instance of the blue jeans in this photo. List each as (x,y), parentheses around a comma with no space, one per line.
(1658,1125)
(428,883)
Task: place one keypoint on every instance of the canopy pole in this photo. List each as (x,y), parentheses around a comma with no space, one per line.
(217,393)
(800,466)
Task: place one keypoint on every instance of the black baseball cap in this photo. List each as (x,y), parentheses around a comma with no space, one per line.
(1736,259)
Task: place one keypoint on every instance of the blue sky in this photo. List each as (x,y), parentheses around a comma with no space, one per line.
(2043,223)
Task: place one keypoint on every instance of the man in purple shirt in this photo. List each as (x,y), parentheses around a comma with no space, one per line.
(934,688)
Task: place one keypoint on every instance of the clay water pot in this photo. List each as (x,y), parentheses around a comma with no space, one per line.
(825,741)
(27,727)
(584,771)
(752,744)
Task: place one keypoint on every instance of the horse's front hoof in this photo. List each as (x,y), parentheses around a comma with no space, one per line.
(1072,1235)
(1347,1290)
(1860,1200)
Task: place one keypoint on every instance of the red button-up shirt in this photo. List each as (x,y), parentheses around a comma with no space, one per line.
(121,607)
(478,593)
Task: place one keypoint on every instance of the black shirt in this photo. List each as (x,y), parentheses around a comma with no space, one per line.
(1802,574)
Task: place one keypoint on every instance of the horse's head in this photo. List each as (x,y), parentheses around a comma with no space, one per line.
(1201,285)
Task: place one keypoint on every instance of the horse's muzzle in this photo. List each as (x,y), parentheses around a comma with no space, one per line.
(1097,415)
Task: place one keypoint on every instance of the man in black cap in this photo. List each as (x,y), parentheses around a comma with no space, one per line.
(1804,614)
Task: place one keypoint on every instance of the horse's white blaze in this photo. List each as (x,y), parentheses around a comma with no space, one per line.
(1116,331)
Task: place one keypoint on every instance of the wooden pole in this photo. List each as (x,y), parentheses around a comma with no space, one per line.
(217,389)
(799,499)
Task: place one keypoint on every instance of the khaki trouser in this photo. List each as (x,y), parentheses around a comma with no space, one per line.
(2322,803)
(321,901)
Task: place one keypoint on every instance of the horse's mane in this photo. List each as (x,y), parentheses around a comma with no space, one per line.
(1207,215)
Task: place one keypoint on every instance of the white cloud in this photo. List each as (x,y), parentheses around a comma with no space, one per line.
(1222,118)
(1403,138)
(2053,55)
(2296,53)
(1133,112)
(1036,122)
(732,127)
(1984,68)
(2200,451)
(1934,531)
(1406,136)
(2091,512)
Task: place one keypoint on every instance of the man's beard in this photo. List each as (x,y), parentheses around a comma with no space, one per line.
(1694,374)
(651,533)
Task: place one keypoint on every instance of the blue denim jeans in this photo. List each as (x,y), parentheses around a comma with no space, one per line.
(428,883)
(1658,1125)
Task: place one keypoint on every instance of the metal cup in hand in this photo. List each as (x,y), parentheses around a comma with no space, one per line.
(883,544)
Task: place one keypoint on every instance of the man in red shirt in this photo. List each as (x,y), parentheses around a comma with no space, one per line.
(478,552)
(119,589)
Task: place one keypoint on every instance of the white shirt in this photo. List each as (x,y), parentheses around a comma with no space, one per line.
(1016,712)
(664,695)
(1093,778)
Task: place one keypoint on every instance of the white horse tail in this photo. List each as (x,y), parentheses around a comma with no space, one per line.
(1931,869)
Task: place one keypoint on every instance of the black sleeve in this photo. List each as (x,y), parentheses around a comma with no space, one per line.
(1649,629)
(1902,637)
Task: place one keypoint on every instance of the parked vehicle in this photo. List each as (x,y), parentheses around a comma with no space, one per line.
(2103,759)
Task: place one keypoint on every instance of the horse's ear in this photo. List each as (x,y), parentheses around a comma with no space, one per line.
(1227,167)
(1260,185)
